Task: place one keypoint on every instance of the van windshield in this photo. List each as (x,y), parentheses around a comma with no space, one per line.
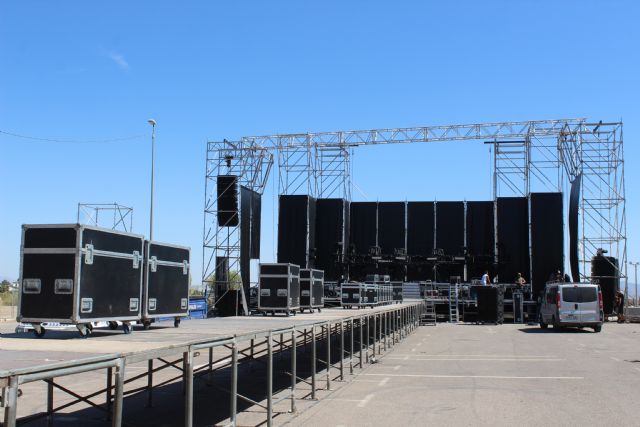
(579,294)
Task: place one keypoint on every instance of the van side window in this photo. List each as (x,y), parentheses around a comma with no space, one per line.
(551,295)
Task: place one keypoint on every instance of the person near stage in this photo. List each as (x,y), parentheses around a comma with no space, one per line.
(619,306)
(520,282)
(486,280)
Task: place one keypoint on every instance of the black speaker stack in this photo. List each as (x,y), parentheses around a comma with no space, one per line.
(490,303)
(227,200)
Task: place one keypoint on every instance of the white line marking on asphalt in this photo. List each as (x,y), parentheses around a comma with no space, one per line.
(384,381)
(477,359)
(479,355)
(366,381)
(405,358)
(489,377)
(615,359)
(413,349)
(637,369)
(364,401)
(396,368)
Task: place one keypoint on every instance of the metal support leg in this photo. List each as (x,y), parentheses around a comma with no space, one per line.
(313,362)
(293,370)
(234,385)
(375,332)
(50,403)
(361,344)
(10,406)
(109,391)
(188,395)
(351,349)
(150,383)
(342,350)
(210,370)
(118,400)
(269,382)
(368,342)
(328,356)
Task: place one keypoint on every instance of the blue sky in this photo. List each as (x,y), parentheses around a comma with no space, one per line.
(213,70)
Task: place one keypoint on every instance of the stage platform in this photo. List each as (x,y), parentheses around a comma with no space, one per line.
(25,358)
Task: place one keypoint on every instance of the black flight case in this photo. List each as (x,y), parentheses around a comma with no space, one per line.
(77,274)
(166,282)
(311,289)
(279,288)
(352,294)
(397,292)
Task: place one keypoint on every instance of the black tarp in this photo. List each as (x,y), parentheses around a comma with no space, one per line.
(547,238)
(420,229)
(256,220)
(513,238)
(246,200)
(450,227)
(363,226)
(332,217)
(480,237)
(391,226)
(296,230)
(574,206)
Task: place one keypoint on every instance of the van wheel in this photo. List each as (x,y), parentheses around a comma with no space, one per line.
(542,324)
(597,328)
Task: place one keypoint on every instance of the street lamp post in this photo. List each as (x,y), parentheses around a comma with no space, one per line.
(153,140)
(635,280)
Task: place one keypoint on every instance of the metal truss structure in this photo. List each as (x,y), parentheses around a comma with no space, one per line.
(107,215)
(251,164)
(528,156)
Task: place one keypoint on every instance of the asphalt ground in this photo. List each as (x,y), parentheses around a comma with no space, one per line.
(463,375)
(439,375)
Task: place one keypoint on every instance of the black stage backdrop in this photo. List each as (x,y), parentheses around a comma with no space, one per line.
(547,238)
(420,228)
(363,226)
(450,227)
(331,232)
(296,229)
(513,238)
(480,237)
(391,226)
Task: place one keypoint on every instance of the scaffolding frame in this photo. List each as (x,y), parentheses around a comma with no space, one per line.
(251,164)
(528,156)
(120,216)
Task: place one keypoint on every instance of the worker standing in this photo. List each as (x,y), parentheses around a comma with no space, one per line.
(486,280)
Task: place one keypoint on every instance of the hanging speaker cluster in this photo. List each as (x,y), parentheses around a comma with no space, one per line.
(227,200)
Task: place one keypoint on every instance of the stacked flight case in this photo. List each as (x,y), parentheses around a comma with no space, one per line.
(76,274)
(166,282)
(279,289)
(352,294)
(311,289)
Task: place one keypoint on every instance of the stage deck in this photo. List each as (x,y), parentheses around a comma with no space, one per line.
(24,354)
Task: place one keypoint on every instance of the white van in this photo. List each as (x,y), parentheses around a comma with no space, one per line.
(572,305)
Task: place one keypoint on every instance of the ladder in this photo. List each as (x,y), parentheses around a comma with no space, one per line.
(428,317)
(453,303)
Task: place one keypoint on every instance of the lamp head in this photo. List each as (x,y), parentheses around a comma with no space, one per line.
(151,122)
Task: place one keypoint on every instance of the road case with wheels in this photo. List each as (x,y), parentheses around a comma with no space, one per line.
(76,274)
(311,289)
(279,288)
(352,294)
(166,282)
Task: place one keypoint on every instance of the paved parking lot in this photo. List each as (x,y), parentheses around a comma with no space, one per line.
(493,375)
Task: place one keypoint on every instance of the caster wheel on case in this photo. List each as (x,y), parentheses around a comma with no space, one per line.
(176,322)
(126,328)
(39,331)
(146,325)
(113,325)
